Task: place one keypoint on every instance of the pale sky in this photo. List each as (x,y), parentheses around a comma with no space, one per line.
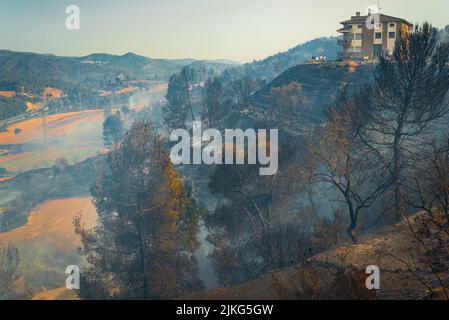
(240,30)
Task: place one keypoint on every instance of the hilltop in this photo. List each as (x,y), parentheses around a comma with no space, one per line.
(320,85)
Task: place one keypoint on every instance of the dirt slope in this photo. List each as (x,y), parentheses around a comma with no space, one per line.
(340,273)
(56,294)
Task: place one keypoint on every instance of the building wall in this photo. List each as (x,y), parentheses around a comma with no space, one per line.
(391,42)
(368,38)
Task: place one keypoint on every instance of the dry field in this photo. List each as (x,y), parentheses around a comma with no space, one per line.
(47,243)
(74,136)
(7,94)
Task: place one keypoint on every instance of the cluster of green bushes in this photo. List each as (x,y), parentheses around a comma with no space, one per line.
(10,107)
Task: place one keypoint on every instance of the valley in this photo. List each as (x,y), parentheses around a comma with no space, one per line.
(51,197)
(90,137)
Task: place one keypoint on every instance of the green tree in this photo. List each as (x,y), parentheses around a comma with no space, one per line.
(212,110)
(144,243)
(112,130)
(179,106)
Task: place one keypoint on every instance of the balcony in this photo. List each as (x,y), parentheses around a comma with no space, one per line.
(345,30)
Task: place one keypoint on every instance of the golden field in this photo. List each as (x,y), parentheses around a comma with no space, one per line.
(7,94)
(74,136)
(48,244)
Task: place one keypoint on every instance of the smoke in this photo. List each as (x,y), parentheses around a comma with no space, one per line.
(140,99)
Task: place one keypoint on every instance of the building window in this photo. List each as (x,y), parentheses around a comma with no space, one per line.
(355,49)
(359,26)
(392,25)
(392,35)
(358,36)
(378,35)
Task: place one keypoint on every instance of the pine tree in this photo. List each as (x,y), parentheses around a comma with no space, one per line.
(143,245)
(112,130)
(408,99)
(178,111)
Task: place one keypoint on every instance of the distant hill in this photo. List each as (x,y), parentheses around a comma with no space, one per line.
(24,76)
(99,71)
(37,70)
(152,69)
(274,65)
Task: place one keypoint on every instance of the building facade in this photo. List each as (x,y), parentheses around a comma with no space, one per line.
(366,41)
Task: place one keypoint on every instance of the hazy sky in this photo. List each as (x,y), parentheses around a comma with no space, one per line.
(240,30)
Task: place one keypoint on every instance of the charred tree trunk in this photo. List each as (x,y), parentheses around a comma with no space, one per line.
(142,240)
(397,176)
(354,217)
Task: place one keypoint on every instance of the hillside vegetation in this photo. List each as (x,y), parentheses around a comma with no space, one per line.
(339,273)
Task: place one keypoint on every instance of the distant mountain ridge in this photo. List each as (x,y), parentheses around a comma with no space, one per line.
(22,69)
(25,67)
(83,82)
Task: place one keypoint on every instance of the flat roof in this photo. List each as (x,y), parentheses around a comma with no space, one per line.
(383,18)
